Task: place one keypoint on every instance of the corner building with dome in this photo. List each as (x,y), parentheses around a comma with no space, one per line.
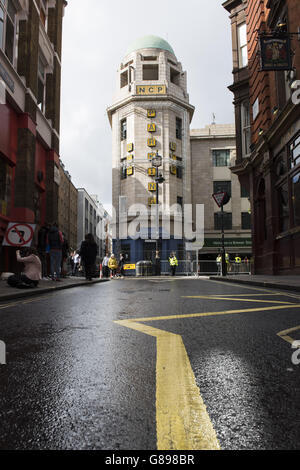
(150,113)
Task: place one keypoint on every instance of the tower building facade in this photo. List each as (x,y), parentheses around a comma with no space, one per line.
(150,115)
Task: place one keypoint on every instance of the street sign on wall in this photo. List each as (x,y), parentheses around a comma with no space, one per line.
(19,234)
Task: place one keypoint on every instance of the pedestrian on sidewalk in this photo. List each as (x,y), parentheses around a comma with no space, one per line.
(121,265)
(42,249)
(237,263)
(32,270)
(105,267)
(76,259)
(173,263)
(55,241)
(157,263)
(219,264)
(65,255)
(113,265)
(88,252)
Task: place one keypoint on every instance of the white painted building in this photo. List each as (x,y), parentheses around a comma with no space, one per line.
(150,112)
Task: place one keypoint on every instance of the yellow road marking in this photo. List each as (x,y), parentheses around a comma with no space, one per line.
(209,314)
(182,421)
(9,305)
(22,301)
(285,334)
(242,295)
(234,299)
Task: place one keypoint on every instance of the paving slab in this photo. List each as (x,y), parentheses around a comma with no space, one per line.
(10,293)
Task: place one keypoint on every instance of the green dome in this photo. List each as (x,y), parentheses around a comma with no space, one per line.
(150,42)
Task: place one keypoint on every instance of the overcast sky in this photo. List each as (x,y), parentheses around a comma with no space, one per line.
(96,35)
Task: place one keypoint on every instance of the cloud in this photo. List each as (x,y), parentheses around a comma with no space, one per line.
(95,39)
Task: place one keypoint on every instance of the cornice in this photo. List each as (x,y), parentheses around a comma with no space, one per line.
(135,98)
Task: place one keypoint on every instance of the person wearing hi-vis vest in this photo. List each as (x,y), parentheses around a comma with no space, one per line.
(219,263)
(173,263)
(237,263)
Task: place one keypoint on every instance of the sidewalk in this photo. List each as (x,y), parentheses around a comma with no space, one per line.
(291,283)
(9,293)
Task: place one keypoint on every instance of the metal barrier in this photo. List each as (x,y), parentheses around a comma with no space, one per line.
(204,267)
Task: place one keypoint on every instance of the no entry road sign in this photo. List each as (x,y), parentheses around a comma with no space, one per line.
(19,234)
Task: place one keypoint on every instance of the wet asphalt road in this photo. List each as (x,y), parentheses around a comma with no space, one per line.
(74,379)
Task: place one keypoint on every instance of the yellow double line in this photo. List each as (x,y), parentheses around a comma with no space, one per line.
(182,420)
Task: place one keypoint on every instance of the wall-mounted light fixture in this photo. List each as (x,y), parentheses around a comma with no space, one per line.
(260,132)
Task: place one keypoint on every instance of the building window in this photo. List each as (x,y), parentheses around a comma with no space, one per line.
(178,128)
(125,249)
(245,192)
(123,172)
(1,26)
(149,57)
(43,12)
(242,45)
(245,129)
(41,83)
(221,157)
(283,205)
(227,221)
(222,186)
(123,129)
(5,187)
(246,221)
(295,152)
(8,28)
(150,72)
(296,198)
(179,172)
(124,79)
(180,201)
(255,109)
(175,76)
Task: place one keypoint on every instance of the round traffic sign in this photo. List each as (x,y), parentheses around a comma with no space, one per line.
(19,235)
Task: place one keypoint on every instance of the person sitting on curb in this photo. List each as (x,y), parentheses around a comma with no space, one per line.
(32,271)
(113,266)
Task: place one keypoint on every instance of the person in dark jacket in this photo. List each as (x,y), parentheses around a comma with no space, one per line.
(42,248)
(88,253)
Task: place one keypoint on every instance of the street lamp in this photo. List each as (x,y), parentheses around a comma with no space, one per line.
(156,163)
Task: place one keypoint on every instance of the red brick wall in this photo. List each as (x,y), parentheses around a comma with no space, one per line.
(264,84)
(259,82)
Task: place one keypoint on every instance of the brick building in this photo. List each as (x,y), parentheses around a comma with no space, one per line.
(67,207)
(267,115)
(30,74)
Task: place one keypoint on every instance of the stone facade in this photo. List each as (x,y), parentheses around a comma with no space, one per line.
(92,218)
(208,144)
(150,79)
